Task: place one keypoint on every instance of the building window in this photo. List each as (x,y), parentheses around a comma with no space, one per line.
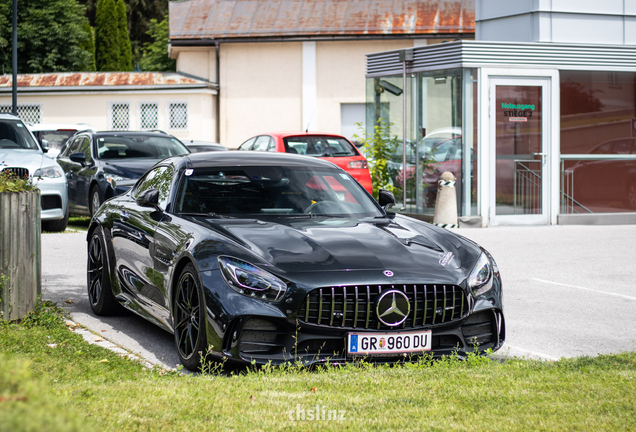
(148,115)
(31,113)
(178,115)
(119,116)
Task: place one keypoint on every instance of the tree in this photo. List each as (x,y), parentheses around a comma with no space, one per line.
(125,51)
(51,36)
(140,12)
(89,46)
(106,36)
(155,55)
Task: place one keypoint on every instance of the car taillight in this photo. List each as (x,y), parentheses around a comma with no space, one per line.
(358,164)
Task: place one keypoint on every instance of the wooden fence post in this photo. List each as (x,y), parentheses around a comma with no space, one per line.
(20,253)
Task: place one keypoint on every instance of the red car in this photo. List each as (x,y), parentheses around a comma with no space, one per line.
(334,148)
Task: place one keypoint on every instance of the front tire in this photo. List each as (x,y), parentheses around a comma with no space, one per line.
(56,225)
(100,295)
(189,319)
(95,200)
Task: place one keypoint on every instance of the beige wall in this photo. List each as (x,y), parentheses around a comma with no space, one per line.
(261,82)
(260,89)
(94,110)
(341,68)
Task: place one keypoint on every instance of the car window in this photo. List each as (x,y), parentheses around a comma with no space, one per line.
(262,143)
(138,146)
(85,147)
(159,178)
(280,190)
(602,149)
(14,135)
(623,147)
(315,145)
(73,147)
(57,138)
(247,145)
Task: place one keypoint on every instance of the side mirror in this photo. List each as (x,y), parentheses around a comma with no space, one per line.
(78,158)
(386,199)
(149,198)
(45,146)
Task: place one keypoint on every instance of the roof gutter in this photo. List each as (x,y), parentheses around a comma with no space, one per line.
(316,38)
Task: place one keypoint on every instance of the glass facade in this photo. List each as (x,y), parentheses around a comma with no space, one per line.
(435,114)
(598,142)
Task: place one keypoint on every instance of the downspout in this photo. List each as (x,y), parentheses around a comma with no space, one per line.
(218,92)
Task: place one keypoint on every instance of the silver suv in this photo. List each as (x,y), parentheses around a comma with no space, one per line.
(21,154)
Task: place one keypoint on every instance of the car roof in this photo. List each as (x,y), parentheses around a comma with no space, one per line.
(255,158)
(284,134)
(8,116)
(132,133)
(58,126)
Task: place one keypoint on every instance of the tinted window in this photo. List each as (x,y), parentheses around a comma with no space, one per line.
(159,178)
(139,146)
(274,191)
(73,147)
(14,135)
(312,145)
(85,147)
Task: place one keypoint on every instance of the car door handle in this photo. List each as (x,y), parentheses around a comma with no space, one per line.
(124,216)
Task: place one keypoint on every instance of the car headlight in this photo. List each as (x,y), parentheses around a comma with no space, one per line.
(480,278)
(113,179)
(48,172)
(251,281)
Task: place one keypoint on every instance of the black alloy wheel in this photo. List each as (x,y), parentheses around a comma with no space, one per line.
(100,296)
(189,319)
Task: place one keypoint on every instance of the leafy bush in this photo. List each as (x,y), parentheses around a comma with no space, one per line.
(9,182)
(378,147)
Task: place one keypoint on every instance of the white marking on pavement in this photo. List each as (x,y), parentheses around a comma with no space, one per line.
(586,289)
(531,353)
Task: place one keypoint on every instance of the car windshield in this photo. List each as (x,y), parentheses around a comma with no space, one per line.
(57,138)
(139,146)
(319,146)
(265,190)
(14,135)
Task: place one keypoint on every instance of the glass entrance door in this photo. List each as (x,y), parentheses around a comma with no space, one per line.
(519,115)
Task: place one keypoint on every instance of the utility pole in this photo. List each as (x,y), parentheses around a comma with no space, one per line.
(14,55)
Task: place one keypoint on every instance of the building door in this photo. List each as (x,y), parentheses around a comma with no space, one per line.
(519,178)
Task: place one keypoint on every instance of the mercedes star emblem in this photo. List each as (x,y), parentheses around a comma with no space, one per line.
(392,308)
(388,273)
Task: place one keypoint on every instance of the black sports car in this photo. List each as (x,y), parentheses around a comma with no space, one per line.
(100,165)
(257,257)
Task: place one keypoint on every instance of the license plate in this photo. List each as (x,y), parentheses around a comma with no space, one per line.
(388,343)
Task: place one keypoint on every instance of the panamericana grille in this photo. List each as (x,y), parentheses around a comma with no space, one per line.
(354,306)
(49,202)
(19,172)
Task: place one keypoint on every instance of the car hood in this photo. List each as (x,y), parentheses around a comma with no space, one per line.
(337,244)
(23,158)
(130,168)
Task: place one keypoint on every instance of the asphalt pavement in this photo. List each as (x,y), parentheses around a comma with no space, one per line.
(568,291)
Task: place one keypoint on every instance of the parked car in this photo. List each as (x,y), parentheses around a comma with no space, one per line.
(101,165)
(204,146)
(334,148)
(21,154)
(258,258)
(56,134)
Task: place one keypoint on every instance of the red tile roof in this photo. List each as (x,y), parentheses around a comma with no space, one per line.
(102,79)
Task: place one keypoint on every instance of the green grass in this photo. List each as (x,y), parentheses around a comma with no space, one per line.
(76,222)
(75,385)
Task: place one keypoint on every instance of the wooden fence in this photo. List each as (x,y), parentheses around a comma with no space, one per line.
(20,256)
